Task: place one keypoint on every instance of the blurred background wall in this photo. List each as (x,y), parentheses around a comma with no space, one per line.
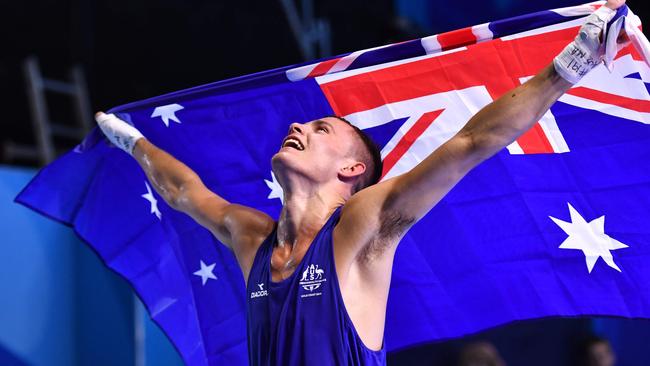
(58,304)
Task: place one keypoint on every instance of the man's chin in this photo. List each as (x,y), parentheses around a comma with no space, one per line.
(278,156)
(287,161)
(281,159)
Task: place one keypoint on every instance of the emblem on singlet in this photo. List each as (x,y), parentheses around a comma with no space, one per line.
(311,279)
(262,292)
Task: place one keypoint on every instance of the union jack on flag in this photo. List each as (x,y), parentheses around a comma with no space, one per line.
(522,236)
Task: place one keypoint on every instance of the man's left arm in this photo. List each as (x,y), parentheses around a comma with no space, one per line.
(494,127)
(389,208)
(376,218)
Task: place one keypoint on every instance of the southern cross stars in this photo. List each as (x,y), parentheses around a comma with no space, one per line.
(206,272)
(589,237)
(276,189)
(152,200)
(167,112)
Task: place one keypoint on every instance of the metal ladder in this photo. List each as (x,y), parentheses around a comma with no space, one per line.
(46,130)
(312,34)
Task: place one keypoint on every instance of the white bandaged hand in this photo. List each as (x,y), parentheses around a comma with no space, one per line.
(120,133)
(588,48)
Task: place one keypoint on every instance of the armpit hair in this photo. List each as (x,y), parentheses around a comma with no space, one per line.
(392,224)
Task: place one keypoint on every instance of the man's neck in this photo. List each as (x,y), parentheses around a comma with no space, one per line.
(303,215)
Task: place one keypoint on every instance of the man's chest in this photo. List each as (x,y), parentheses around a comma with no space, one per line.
(283,263)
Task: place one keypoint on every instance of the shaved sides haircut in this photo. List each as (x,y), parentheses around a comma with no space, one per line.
(369,154)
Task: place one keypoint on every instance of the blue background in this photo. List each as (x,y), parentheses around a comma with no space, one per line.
(59,305)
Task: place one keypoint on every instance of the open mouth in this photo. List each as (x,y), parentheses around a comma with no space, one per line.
(294,143)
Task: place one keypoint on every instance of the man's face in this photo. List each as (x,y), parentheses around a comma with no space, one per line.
(316,150)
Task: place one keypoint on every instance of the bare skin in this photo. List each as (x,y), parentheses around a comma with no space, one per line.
(319,178)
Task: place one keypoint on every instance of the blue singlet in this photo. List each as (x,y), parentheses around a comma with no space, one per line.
(302,320)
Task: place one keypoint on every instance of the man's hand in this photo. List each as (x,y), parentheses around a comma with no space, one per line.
(588,49)
(120,133)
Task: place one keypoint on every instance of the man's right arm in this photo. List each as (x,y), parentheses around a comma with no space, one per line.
(240,228)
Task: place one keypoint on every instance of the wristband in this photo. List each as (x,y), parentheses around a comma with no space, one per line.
(120,133)
(587,50)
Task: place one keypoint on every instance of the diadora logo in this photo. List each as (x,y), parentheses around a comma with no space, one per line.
(311,279)
(262,292)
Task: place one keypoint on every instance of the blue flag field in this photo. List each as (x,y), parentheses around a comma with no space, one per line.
(556,224)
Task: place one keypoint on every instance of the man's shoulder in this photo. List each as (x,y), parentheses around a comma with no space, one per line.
(249,220)
(368,235)
(374,221)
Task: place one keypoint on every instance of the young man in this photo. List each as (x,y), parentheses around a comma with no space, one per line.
(318,278)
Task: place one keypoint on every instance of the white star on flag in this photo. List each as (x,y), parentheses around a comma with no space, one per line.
(589,237)
(276,189)
(152,200)
(206,272)
(167,112)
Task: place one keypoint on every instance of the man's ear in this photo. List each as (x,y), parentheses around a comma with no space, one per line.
(352,170)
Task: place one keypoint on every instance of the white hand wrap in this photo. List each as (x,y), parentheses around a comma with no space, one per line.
(120,133)
(587,50)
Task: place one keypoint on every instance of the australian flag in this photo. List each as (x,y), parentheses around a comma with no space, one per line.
(556,224)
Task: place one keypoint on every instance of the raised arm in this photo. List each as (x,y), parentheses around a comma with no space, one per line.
(494,127)
(389,208)
(240,228)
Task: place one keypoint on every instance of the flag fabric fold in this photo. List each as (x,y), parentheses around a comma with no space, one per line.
(553,225)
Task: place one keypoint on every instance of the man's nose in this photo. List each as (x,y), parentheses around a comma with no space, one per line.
(295,127)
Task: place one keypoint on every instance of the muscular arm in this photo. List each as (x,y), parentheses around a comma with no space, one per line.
(184,191)
(494,127)
(389,208)
(240,228)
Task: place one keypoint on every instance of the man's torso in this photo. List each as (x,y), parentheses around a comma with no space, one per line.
(344,307)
